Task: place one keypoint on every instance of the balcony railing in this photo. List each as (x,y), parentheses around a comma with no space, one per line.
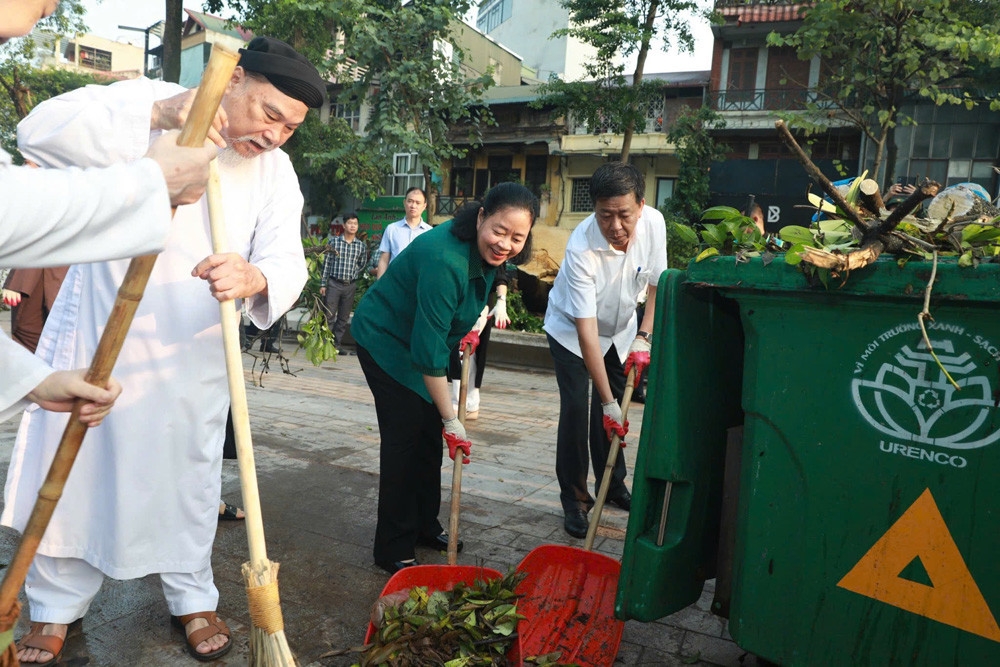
(764,99)
(745,3)
(448,205)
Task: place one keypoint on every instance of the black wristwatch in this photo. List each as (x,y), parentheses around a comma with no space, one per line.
(643,334)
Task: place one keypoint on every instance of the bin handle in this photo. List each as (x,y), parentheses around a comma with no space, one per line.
(663,514)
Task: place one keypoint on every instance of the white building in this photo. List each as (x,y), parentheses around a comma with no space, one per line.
(526,27)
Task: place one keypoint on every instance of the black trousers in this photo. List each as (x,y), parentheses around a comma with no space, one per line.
(339,304)
(410,458)
(573,435)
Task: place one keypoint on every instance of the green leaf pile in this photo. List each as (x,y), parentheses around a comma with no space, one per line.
(466,626)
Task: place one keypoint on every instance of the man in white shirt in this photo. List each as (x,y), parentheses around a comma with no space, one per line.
(399,234)
(611,257)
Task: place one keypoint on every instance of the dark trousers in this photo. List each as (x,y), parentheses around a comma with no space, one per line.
(574,435)
(339,304)
(455,362)
(410,458)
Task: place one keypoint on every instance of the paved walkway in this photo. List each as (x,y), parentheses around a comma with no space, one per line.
(316,448)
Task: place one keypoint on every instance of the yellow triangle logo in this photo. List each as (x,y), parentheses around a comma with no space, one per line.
(953,598)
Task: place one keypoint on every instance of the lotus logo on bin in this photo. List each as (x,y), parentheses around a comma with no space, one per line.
(901,391)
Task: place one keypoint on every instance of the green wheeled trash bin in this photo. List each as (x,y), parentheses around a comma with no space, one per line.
(868,523)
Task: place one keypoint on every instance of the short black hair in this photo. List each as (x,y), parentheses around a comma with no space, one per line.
(415,189)
(500,196)
(614,179)
(350,216)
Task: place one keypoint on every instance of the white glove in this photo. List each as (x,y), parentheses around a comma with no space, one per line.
(613,411)
(613,421)
(499,313)
(481,322)
(454,426)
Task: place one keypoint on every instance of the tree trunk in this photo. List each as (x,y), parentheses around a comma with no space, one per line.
(172,40)
(640,64)
(891,152)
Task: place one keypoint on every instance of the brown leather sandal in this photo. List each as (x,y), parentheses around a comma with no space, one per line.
(48,643)
(216,626)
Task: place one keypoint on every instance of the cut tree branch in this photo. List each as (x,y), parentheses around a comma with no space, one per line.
(816,175)
(926,191)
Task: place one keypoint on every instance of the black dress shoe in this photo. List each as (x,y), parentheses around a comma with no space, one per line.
(439,542)
(576,523)
(396,566)
(623,500)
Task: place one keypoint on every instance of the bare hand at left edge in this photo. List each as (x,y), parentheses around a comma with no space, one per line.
(230,276)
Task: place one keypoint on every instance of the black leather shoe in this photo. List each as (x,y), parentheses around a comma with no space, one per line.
(623,500)
(396,566)
(439,542)
(576,523)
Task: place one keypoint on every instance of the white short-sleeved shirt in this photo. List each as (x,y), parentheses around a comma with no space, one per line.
(398,235)
(595,280)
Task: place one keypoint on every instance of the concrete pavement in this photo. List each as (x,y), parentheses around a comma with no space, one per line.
(316,449)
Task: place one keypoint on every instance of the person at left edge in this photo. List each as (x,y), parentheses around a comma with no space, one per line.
(60,216)
(405,326)
(159,455)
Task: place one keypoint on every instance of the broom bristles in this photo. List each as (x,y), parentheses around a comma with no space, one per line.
(270,650)
(268,644)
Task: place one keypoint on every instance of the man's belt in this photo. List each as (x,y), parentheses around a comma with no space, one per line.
(342,282)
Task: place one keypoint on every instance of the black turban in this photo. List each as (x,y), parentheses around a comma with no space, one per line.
(285,68)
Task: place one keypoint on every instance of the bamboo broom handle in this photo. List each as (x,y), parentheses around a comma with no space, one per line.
(237,385)
(602,493)
(206,103)
(456,475)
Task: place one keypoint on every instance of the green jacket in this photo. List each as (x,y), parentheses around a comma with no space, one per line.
(411,318)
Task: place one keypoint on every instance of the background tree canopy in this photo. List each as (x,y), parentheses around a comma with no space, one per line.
(24,85)
(878,55)
(396,59)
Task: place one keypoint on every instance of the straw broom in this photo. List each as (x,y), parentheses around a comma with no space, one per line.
(213,85)
(268,645)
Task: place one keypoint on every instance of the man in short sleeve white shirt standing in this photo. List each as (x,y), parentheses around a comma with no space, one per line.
(593,332)
(399,234)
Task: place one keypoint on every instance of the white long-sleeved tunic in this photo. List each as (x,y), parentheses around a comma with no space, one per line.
(143,495)
(67,216)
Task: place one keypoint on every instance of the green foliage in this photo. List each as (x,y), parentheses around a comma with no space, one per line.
(322,152)
(315,338)
(617,29)
(520,318)
(27,86)
(696,151)
(726,231)
(609,101)
(471,624)
(389,56)
(682,243)
(24,85)
(878,55)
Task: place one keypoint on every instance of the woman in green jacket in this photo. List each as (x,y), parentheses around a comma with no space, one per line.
(405,326)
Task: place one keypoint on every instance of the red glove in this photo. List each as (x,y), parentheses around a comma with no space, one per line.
(611,427)
(638,356)
(454,436)
(471,338)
